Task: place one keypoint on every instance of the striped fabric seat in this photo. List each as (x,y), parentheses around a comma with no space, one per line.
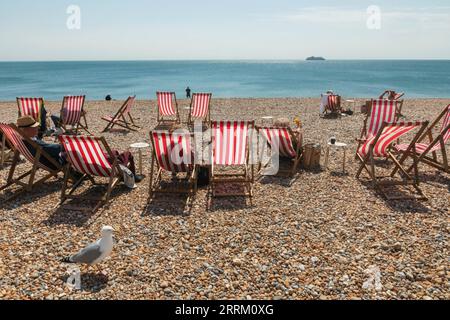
(200,105)
(72,110)
(173,151)
(166,103)
(391,132)
(333,102)
(30,107)
(18,144)
(381,111)
(229,142)
(422,147)
(86,155)
(280,141)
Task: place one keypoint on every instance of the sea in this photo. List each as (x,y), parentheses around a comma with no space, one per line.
(225,79)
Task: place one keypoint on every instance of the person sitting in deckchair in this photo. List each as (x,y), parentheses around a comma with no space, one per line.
(30,128)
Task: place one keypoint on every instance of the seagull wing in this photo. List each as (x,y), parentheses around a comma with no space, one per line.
(87,255)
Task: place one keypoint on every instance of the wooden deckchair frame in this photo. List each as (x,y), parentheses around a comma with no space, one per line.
(31,174)
(297,147)
(368,163)
(388,92)
(245,177)
(5,152)
(78,125)
(155,183)
(433,160)
(207,119)
(160,118)
(120,120)
(114,177)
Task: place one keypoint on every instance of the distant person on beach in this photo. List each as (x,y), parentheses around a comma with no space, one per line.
(188,92)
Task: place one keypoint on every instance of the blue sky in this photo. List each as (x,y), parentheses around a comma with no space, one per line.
(232,29)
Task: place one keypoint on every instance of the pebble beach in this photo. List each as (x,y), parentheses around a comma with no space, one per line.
(310,237)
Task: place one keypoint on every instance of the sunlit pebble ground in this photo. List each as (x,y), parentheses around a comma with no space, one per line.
(309,238)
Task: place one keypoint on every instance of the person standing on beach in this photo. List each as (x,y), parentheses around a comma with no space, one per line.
(188,92)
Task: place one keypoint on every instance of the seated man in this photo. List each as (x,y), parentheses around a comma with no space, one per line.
(30,128)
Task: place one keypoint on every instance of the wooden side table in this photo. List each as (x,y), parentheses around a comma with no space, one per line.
(337,145)
(140,146)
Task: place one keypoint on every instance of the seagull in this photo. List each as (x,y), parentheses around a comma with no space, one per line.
(95,252)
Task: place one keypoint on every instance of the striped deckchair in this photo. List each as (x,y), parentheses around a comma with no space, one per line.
(333,105)
(92,157)
(200,108)
(283,143)
(167,107)
(18,142)
(172,152)
(438,143)
(72,113)
(123,117)
(31,107)
(380,111)
(230,148)
(379,146)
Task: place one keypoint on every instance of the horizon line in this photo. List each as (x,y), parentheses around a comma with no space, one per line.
(227,60)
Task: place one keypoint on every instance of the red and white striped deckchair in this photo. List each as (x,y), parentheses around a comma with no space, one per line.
(167,107)
(92,157)
(435,144)
(18,141)
(380,111)
(200,107)
(31,107)
(72,112)
(120,118)
(334,103)
(230,148)
(282,142)
(172,152)
(379,146)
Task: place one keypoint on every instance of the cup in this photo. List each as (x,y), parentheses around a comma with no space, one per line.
(333,140)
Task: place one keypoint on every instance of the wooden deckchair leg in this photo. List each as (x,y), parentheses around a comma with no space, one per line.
(33,171)
(13,166)
(150,190)
(64,187)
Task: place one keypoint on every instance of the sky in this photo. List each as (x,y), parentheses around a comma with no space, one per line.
(224,30)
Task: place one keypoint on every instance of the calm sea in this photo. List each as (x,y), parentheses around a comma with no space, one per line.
(362,78)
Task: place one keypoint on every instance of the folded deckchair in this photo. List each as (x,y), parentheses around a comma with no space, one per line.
(72,113)
(92,157)
(379,146)
(123,117)
(438,143)
(200,108)
(230,151)
(380,111)
(282,143)
(167,107)
(17,140)
(172,152)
